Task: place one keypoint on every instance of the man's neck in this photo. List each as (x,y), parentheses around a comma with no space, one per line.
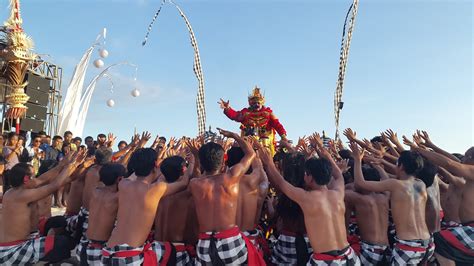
(210,173)
(404,176)
(314,186)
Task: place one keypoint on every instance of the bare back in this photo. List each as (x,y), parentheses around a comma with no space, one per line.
(138,202)
(408,204)
(74,197)
(16,217)
(216,199)
(324,216)
(102,214)
(175,216)
(92,180)
(466,211)
(433,208)
(372,217)
(248,201)
(451,203)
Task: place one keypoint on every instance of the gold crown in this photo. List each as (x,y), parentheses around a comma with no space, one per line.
(256,95)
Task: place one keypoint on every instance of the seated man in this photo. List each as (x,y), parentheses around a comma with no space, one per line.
(216,196)
(176,220)
(372,220)
(408,196)
(323,206)
(17,247)
(456,244)
(138,198)
(102,215)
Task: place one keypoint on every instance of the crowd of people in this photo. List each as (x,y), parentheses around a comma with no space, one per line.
(227,200)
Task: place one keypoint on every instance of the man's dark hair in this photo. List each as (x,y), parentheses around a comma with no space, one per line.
(172,168)
(162,138)
(142,162)
(91,151)
(320,170)
(57,137)
(77,139)
(41,132)
(428,173)
(458,155)
(122,142)
(345,154)
(18,173)
(211,156)
(101,135)
(67,133)
(376,139)
(234,155)
(370,174)
(103,156)
(110,172)
(11,135)
(412,162)
(88,138)
(46,165)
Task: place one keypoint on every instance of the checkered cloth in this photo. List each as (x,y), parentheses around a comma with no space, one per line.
(182,255)
(343,257)
(412,252)
(81,219)
(372,254)
(456,243)
(448,224)
(90,251)
(25,252)
(253,236)
(284,251)
(229,246)
(126,255)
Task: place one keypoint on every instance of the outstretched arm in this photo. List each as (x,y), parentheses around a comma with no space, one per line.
(428,143)
(238,170)
(292,192)
(454,167)
(275,123)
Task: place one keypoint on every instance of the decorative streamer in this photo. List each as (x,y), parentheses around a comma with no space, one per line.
(152,22)
(345,45)
(200,100)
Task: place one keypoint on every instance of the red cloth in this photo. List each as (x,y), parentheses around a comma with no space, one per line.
(454,241)
(264,118)
(354,242)
(148,254)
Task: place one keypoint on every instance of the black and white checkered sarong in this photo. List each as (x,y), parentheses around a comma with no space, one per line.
(372,254)
(344,257)
(182,256)
(412,252)
(284,251)
(25,252)
(138,256)
(231,250)
(90,251)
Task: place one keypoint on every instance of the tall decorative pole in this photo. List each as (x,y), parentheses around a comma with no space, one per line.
(17,55)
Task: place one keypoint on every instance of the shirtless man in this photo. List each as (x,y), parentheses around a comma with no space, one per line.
(372,218)
(102,215)
(433,205)
(138,199)
(451,198)
(176,220)
(253,189)
(216,197)
(456,244)
(408,196)
(322,204)
(92,180)
(17,247)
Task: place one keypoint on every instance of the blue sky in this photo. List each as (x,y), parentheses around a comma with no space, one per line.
(410,63)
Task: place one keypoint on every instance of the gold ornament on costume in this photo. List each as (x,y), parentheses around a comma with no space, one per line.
(17,54)
(256,96)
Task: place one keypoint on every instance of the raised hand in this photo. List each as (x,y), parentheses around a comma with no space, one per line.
(226,133)
(315,140)
(172,143)
(372,160)
(392,136)
(350,134)
(407,142)
(418,139)
(343,165)
(110,140)
(223,104)
(424,135)
(146,136)
(155,142)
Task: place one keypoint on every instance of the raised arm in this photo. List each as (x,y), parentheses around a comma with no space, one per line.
(238,170)
(428,143)
(183,181)
(454,180)
(229,112)
(31,195)
(392,136)
(294,193)
(454,167)
(360,182)
(338,180)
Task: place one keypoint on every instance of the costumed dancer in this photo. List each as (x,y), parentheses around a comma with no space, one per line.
(256,120)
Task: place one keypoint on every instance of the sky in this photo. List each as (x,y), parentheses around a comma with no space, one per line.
(410,64)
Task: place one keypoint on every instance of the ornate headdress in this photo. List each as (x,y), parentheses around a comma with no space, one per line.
(256,96)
